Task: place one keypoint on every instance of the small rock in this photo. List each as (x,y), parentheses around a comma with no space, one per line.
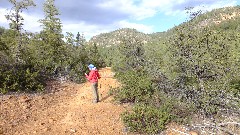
(24,99)
(50,120)
(26,106)
(26,117)
(46,129)
(11,96)
(73,130)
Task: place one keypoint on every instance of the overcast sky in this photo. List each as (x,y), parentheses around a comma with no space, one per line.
(92,17)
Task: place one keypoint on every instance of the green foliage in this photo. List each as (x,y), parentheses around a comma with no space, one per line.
(235,87)
(16,23)
(8,39)
(20,78)
(3,47)
(116,37)
(153,116)
(136,87)
(147,119)
(51,35)
(94,56)
(109,55)
(80,39)
(15,15)
(28,60)
(195,65)
(122,45)
(180,111)
(202,65)
(130,54)
(2,29)
(72,67)
(169,76)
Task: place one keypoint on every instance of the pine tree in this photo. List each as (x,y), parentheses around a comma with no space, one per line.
(53,46)
(130,54)
(16,22)
(93,55)
(78,39)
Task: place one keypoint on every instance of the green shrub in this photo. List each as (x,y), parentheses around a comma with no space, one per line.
(180,111)
(20,78)
(147,119)
(136,87)
(235,87)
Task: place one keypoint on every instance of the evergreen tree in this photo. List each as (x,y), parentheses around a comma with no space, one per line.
(82,40)
(53,47)
(94,55)
(16,23)
(130,55)
(78,39)
(70,38)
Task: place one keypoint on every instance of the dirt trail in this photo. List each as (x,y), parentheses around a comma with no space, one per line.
(66,110)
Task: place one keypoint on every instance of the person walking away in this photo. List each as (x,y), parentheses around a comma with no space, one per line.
(93,79)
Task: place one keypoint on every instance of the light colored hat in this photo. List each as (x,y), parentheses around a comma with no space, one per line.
(91,66)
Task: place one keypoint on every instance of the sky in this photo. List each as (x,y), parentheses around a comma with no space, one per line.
(92,17)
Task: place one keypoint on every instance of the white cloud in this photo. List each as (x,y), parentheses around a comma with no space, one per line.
(88,30)
(141,9)
(218,4)
(129,7)
(3,20)
(139,27)
(31,22)
(144,8)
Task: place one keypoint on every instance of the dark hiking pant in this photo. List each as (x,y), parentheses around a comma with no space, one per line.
(95,92)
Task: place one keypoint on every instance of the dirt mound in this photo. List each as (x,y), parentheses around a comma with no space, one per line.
(68,109)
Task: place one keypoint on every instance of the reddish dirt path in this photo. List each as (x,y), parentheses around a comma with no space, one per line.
(68,110)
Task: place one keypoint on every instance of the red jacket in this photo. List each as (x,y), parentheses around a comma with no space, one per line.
(93,76)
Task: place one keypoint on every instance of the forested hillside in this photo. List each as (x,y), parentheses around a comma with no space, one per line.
(115,37)
(189,75)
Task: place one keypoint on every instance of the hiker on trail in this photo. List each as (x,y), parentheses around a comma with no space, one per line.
(93,78)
